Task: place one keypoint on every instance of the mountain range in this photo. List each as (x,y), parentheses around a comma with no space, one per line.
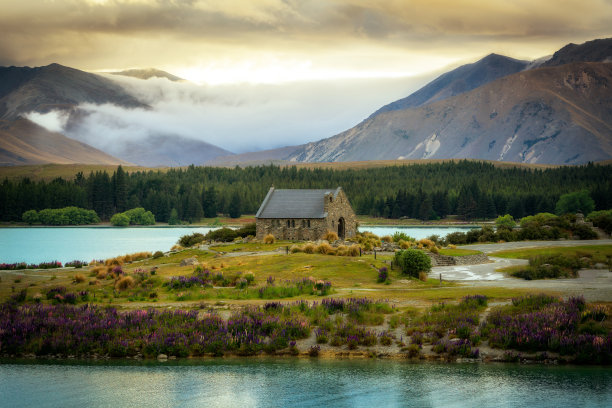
(60,89)
(555,110)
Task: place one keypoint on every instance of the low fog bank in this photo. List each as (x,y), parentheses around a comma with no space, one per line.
(237,118)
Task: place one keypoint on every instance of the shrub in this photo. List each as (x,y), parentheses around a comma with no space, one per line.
(602,219)
(413,350)
(138,216)
(76,264)
(269,239)
(247,230)
(158,254)
(250,278)
(191,240)
(309,248)
(125,283)
(412,261)
(457,238)
(383,275)
(79,278)
(62,216)
(505,221)
(313,351)
(578,201)
(386,238)
(30,217)
(354,250)
(241,283)
(330,236)
(120,220)
(222,235)
(399,236)
(324,248)
(550,267)
(583,231)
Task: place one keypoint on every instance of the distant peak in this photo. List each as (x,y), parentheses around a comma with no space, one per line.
(146,73)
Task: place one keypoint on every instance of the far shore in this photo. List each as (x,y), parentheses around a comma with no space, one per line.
(449,224)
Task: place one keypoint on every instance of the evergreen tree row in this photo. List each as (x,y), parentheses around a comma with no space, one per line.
(472,190)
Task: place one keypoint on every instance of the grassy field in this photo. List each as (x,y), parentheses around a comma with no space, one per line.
(349,277)
(599,253)
(458,252)
(68,171)
(49,172)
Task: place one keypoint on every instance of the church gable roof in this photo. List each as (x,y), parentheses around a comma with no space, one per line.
(295,203)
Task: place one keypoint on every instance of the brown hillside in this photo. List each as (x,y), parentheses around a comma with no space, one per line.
(24,142)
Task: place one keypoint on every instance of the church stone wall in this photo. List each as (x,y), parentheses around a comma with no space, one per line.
(312,229)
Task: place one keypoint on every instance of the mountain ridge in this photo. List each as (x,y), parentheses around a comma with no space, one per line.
(534,108)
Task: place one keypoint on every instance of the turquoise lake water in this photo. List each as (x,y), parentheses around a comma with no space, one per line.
(64,244)
(304,383)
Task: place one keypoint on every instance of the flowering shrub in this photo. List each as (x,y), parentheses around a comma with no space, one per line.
(539,324)
(64,329)
(383,275)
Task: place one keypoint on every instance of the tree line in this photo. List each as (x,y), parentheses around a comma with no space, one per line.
(470,189)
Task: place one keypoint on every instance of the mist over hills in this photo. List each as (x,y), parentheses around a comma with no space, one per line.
(56,87)
(58,97)
(555,110)
(24,142)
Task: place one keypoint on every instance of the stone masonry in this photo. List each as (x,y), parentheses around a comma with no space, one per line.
(306,219)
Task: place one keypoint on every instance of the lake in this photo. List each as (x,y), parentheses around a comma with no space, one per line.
(303,383)
(64,244)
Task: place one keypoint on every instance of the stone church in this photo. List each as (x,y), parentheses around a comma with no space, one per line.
(305,214)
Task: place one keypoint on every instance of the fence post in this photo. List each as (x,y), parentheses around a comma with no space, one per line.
(359,251)
(440,279)
(287,250)
(374,254)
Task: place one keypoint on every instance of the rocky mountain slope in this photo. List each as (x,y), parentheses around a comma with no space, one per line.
(557,115)
(460,80)
(56,87)
(559,112)
(590,51)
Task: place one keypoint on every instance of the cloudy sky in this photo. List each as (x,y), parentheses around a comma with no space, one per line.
(280,43)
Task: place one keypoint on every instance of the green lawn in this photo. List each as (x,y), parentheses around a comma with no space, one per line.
(599,253)
(458,252)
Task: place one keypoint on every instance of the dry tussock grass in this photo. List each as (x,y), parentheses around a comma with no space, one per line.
(309,248)
(125,283)
(127,258)
(330,236)
(79,278)
(325,249)
(269,239)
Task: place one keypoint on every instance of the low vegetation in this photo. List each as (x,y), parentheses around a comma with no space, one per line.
(61,216)
(412,262)
(135,216)
(557,262)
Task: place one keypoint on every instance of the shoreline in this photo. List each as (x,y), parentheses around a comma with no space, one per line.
(329,355)
(162,225)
